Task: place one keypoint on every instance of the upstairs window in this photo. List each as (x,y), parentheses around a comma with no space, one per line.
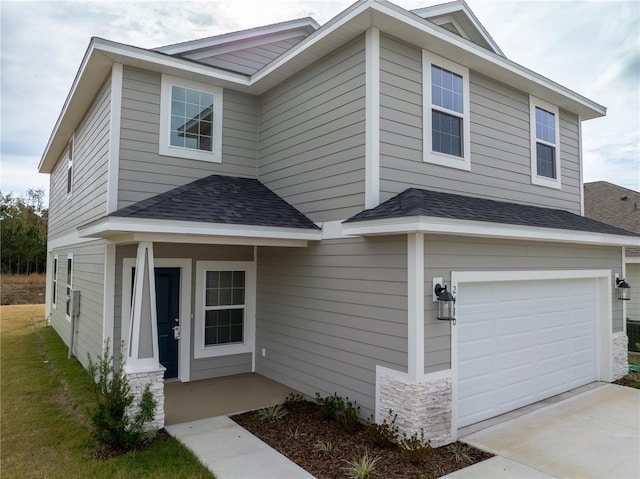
(70,167)
(446,112)
(190,120)
(545,150)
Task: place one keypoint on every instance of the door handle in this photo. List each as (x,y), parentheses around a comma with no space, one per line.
(176,332)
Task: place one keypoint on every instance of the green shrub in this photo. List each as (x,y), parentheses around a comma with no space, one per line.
(293,400)
(386,433)
(349,415)
(112,425)
(330,406)
(415,447)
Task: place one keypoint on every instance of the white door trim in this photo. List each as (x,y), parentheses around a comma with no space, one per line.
(184,346)
(603,316)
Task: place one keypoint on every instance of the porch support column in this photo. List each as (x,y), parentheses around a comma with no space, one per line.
(142,365)
(415,306)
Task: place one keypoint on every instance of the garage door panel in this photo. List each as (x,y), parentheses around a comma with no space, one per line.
(538,343)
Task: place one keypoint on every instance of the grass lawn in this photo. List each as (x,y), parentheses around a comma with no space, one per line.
(45,399)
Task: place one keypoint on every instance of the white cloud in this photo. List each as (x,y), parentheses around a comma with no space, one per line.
(590,47)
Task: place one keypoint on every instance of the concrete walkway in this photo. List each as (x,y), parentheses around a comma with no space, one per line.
(231,452)
(595,434)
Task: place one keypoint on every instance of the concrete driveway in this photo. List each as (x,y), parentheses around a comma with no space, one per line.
(594,434)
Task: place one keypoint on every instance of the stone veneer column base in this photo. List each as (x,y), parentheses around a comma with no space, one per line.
(620,355)
(138,381)
(424,404)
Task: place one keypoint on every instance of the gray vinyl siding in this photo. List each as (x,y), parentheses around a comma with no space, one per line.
(444,254)
(145,173)
(329,313)
(249,60)
(88,278)
(87,201)
(500,139)
(312,136)
(633,278)
(200,368)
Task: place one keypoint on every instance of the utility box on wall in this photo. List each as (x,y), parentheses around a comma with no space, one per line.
(74,302)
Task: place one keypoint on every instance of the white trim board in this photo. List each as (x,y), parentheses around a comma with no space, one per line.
(114,138)
(372,119)
(115,226)
(448,226)
(603,315)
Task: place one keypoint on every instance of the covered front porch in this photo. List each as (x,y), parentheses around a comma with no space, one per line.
(186,402)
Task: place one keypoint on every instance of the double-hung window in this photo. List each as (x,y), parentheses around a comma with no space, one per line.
(545,144)
(69,285)
(54,282)
(446,124)
(190,120)
(225,308)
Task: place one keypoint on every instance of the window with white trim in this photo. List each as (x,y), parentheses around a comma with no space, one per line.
(225,308)
(446,123)
(70,167)
(69,284)
(54,282)
(545,143)
(190,120)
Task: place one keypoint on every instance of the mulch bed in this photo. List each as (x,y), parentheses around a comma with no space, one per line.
(298,433)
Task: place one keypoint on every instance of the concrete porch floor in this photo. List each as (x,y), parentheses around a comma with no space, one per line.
(185,402)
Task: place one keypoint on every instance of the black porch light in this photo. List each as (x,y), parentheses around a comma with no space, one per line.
(446,303)
(624,290)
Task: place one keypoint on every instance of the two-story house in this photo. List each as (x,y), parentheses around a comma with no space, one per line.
(287,200)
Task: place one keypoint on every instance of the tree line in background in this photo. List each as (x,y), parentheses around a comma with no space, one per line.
(23,232)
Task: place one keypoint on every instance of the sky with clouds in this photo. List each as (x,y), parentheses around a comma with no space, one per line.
(591,47)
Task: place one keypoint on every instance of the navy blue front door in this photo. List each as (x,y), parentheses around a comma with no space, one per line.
(168,304)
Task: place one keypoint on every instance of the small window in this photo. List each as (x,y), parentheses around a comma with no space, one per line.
(190,120)
(69,284)
(545,151)
(446,113)
(54,282)
(225,308)
(70,167)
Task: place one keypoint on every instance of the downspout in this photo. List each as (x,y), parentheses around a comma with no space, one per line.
(73,335)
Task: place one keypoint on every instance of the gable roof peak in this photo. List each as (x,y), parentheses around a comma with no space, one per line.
(457,17)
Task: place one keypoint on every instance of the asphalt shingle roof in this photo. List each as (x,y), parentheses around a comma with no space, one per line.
(418,202)
(220,199)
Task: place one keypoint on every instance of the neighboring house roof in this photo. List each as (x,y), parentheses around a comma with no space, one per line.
(220,199)
(418,202)
(348,25)
(614,205)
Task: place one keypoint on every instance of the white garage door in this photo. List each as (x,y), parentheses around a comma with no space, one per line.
(522,341)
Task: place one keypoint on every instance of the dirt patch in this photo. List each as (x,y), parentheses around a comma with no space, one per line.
(22,289)
(304,437)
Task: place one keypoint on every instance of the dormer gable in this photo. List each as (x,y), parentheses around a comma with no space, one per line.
(457,18)
(245,51)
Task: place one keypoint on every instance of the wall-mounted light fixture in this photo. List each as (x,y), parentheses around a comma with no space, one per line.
(624,290)
(446,303)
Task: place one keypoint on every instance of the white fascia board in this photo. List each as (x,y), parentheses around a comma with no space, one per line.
(458,6)
(233,37)
(134,238)
(114,226)
(632,259)
(447,226)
